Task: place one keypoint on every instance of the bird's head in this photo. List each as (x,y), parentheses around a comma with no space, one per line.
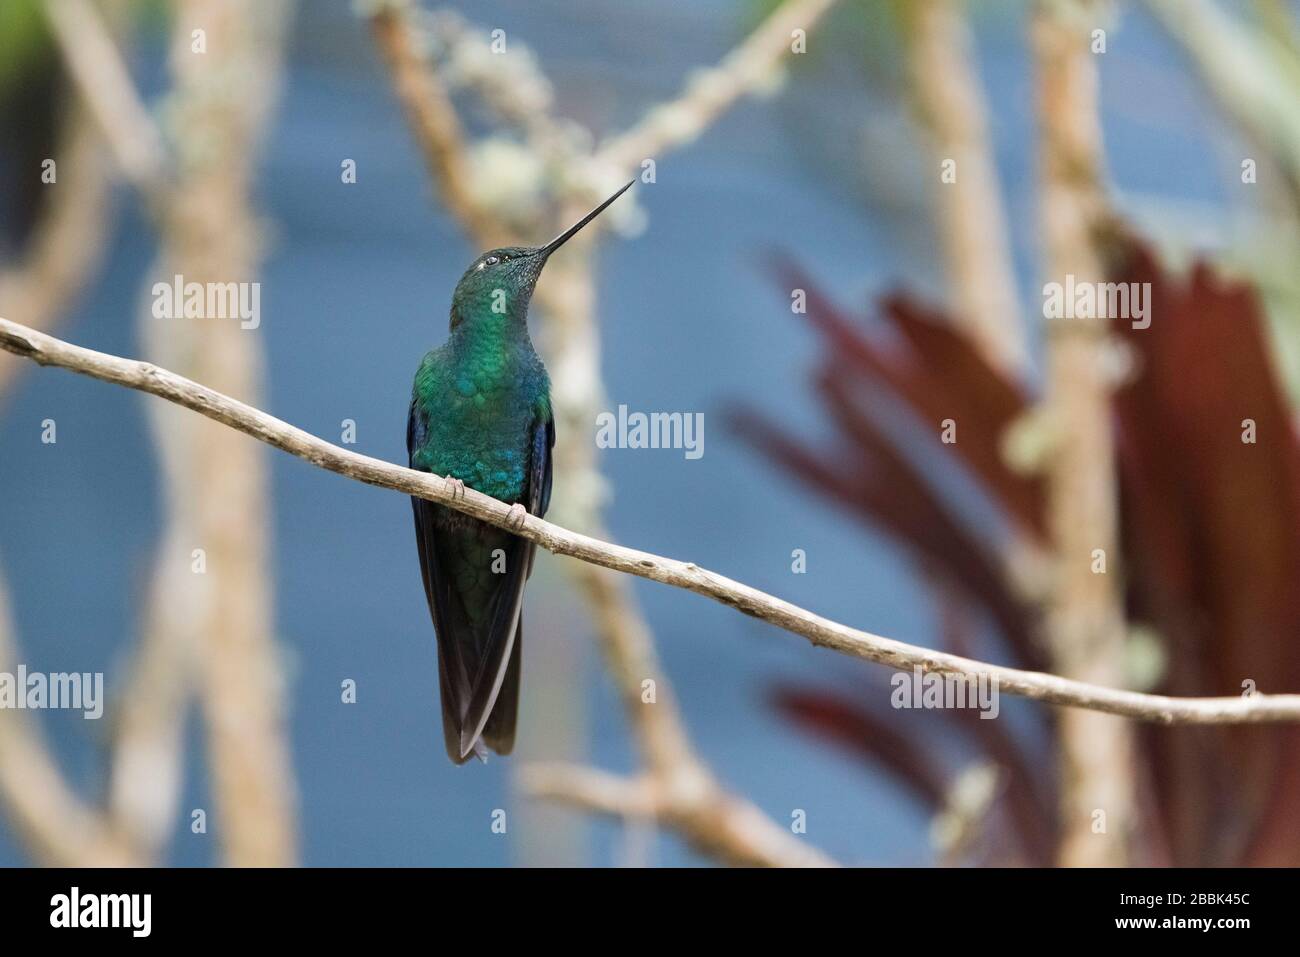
(501,281)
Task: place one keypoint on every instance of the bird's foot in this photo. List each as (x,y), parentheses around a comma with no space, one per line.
(456,487)
(516,517)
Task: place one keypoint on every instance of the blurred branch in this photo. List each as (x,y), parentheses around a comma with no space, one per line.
(218,488)
(1086,626)
(709,93)
(684,794)
(59,829)
(1253,75)
(65,247)
(145,377)
(216,627)
(433,119)
(972,228)
(68,241)
(102,79)
(712,821)
(630,653)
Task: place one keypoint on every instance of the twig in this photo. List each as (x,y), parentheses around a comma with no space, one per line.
(145,377)
(710,92)
(683,793)
(712,821)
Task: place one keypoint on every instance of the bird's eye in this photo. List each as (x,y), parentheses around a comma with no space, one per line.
(491,261)
(505,257)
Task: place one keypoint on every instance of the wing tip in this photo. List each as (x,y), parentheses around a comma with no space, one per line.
(472,745)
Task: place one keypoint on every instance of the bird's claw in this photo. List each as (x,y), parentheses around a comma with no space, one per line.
(456,487)
(516,517)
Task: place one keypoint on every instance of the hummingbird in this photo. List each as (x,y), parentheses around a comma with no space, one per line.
(481,417)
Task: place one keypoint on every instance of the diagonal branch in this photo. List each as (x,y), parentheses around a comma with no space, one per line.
(145,377)
(68,243)
(710,92)
(102,79)
(433,120)
(711,820)
(1251,73)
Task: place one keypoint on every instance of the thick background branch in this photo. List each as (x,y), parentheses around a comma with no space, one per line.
(1086,626)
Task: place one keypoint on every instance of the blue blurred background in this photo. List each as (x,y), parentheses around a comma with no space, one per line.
(355,289)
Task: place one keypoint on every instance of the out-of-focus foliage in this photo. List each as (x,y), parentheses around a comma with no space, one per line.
(24,40)
(1211,553)
(26,43)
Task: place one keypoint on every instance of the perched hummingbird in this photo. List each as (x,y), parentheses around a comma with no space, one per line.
(481,416)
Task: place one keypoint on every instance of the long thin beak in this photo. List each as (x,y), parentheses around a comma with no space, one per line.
(565,236)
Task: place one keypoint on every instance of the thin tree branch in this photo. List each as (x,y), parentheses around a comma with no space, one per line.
(50,351)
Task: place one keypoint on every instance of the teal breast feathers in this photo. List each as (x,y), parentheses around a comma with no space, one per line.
(479,422)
